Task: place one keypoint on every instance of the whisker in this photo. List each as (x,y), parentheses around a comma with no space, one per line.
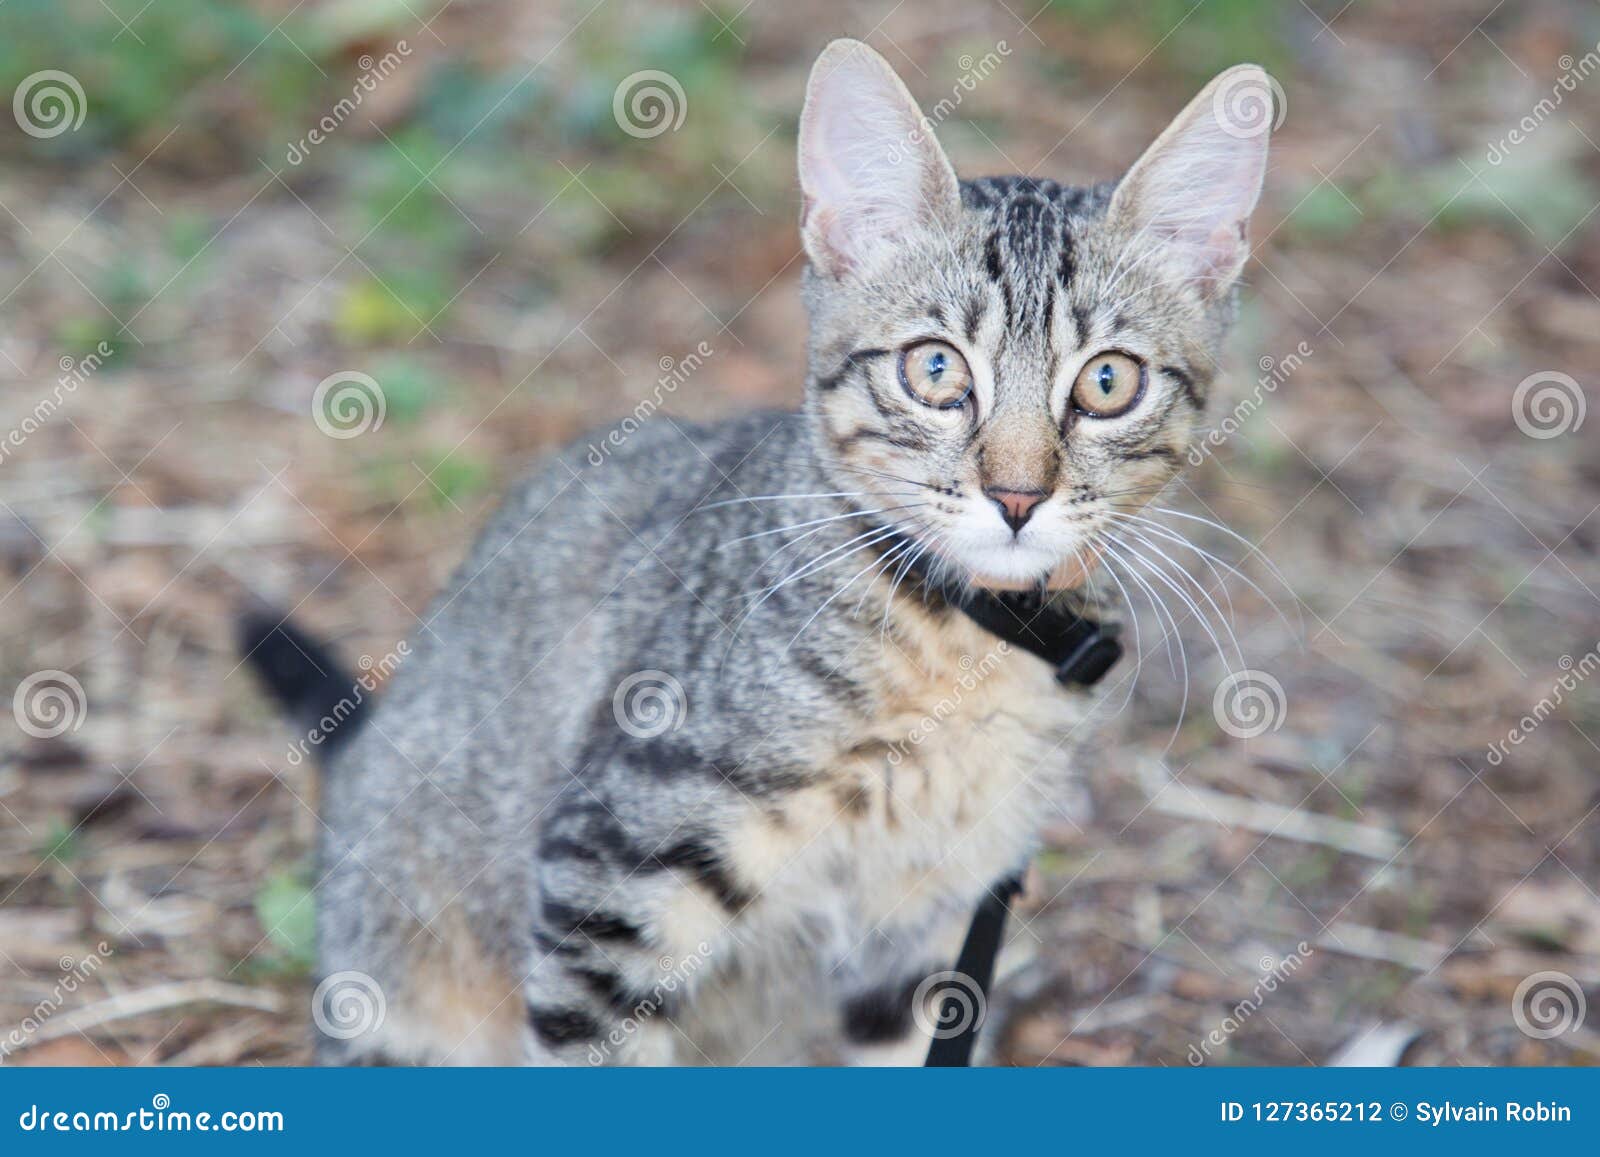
(899,549)
(1170,636)
(850,547)
(875,534)
(1157,605)
(781,498)
(871,473)
(1173,536)
(817,522)
(1159,573)
(1249,546)
(888,602)
(877,562)
(1204,594)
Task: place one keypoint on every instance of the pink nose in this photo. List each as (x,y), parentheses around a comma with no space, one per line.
(1016,506)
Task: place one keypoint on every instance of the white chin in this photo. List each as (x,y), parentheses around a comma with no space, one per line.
(1010,564)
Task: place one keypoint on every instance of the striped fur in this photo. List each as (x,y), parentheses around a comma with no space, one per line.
(768,870)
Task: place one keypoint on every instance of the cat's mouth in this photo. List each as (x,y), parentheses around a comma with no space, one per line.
(1066,575)
(1016,563)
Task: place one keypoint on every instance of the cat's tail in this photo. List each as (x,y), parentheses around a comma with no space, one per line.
(316,691)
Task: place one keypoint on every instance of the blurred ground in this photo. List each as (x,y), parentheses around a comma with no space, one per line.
(478,235)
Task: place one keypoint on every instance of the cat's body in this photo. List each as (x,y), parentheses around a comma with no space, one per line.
(792,830)
(692,761)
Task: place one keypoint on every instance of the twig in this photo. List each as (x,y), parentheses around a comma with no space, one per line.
(157,999)
(1199,803)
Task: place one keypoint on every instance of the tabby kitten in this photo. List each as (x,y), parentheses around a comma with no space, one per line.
(693,761)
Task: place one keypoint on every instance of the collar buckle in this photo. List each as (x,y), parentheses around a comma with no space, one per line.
(1092,657)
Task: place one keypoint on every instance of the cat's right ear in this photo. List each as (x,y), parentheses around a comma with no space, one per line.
(870,169)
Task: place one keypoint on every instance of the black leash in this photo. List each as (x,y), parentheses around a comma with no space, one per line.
(974,971)
(1082,651)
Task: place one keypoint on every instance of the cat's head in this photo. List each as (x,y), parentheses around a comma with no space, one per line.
(1005,364)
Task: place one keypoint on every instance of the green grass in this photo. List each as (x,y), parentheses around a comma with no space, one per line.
(144,80)
(288,916)
(1206,36)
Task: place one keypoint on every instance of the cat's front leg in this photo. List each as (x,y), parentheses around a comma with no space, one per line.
(600,1004)
(887,1024)
(622,938)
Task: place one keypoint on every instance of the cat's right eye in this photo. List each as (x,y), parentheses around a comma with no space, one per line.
(935,373)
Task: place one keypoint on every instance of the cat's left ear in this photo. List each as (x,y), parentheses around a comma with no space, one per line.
(1194,189)
(870,169)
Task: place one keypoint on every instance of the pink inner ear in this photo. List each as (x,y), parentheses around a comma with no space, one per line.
(865,165)
(1224,249)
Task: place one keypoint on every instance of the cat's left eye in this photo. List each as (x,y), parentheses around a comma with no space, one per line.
(1109,385)
(935,373)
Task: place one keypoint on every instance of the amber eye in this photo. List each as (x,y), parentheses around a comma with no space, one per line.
(1108,385)
(935,374)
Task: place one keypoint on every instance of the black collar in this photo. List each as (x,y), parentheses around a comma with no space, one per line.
(1079,648)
